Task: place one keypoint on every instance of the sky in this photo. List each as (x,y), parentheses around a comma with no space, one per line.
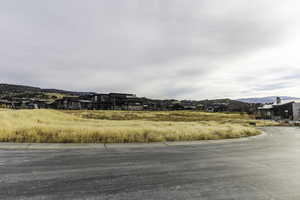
(183,49)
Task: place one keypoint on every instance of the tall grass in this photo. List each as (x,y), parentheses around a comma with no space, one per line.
(58,127)
(175,116)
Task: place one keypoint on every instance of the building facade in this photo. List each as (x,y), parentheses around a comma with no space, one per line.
(281,110)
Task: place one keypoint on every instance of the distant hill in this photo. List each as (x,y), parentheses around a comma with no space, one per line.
(227,101)
(8,89)
(269,99)
(233,105)
(11,92)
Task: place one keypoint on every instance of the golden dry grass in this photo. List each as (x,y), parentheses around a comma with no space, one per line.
(58,127)
(174,116)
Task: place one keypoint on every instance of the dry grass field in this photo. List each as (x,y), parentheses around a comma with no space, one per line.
(120,126)
(173,116)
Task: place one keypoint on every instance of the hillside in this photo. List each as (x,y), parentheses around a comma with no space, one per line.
(8,88)
(231,105)
(29,91)
(9,92)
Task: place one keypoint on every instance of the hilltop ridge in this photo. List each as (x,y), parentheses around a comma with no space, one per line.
(28,97)
(12,88)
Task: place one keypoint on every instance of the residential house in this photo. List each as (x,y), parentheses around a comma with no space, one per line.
(72,103)
(216,107)
(281,110)
(120,101)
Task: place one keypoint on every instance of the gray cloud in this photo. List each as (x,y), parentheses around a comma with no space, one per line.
(268,87)
(155,48)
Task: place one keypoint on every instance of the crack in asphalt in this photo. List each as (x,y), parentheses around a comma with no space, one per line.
(105,147)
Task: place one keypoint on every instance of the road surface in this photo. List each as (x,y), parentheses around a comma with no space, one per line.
(266,167)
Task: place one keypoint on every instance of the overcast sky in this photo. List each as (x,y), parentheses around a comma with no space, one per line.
(185,49)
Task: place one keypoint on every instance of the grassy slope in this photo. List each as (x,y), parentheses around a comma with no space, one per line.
(55,126)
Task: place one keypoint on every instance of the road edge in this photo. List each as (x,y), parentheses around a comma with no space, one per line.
(37,146)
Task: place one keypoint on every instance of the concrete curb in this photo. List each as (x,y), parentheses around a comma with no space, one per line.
(263,134)
(58,146)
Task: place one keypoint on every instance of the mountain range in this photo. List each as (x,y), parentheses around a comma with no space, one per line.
(268,99)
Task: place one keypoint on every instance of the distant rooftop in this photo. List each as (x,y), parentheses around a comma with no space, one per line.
(286,102)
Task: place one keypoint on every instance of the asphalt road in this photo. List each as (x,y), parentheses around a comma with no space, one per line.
(266,167)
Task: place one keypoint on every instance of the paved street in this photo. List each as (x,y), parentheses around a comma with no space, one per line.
(266,167)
